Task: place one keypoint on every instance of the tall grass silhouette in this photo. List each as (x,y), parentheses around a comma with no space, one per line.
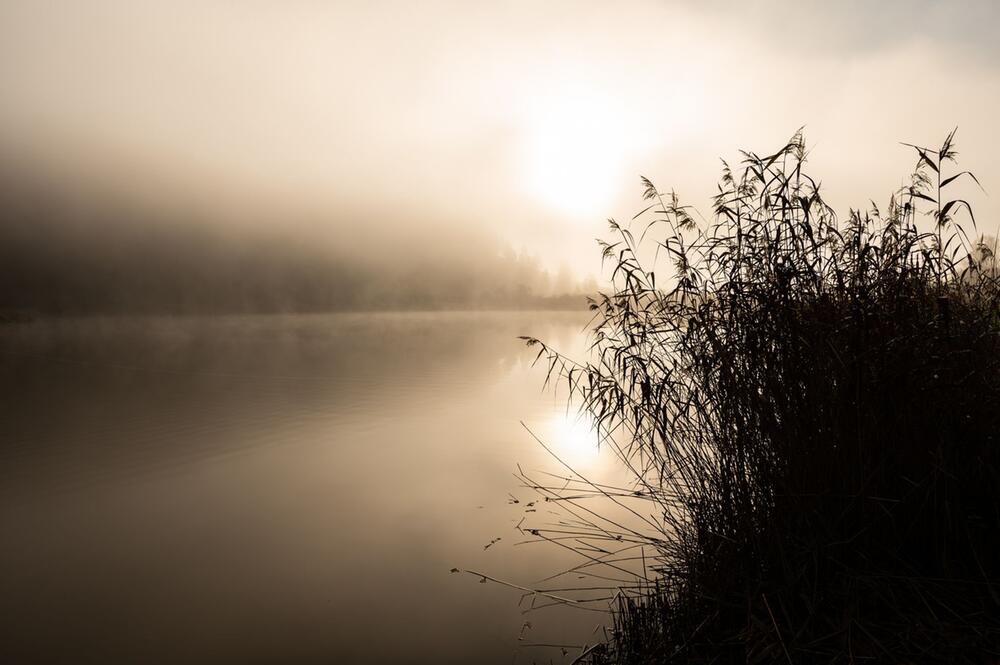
(810,410)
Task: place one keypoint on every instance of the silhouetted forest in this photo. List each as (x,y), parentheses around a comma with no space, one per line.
(58,256)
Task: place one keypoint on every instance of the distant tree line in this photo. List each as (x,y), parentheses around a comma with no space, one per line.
(58,260)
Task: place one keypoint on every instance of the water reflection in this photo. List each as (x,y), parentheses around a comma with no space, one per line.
(574,439)
(275,489)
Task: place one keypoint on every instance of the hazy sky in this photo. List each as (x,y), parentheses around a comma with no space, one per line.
(530,120)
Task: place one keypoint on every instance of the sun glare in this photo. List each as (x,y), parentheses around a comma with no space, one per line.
(574,438)
(575,155)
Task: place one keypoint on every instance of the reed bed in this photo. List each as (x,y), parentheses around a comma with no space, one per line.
(809,410)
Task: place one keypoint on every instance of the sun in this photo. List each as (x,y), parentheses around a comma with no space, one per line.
(575,154)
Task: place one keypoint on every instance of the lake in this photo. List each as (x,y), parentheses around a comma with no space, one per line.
(279,489)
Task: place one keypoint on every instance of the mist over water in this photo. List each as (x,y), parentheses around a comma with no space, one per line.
(401,129)
(274,489)
(263,267)
(85,253)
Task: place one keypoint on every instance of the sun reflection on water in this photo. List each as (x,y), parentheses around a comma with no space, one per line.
(573,437)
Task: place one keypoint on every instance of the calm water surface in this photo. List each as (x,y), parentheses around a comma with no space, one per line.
(276,489)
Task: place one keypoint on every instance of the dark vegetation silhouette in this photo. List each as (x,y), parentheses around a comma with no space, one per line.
(810,408)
